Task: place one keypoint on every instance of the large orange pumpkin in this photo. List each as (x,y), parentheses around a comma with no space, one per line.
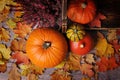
(81,11)
(46,47)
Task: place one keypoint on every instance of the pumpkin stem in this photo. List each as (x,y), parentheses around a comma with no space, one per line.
(46,44)
(84,4)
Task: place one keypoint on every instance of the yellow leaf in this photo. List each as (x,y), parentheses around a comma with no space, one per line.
(109,51)
(5,51)
(101,46)
(4,35)
(11,23)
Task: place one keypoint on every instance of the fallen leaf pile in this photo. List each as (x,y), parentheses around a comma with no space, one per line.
(104,57)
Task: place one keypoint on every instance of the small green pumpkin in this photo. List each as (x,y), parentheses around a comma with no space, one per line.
(75,32)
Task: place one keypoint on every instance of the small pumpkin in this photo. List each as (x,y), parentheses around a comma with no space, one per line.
(46,47)
(75,32)
(83,46)
(81,11)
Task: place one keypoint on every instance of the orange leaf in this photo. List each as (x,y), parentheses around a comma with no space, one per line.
(112,63)
(18,45)
(23,29)
(20,57)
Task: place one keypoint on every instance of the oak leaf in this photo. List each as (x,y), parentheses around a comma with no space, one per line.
(111,35)
(11,23)
(32,76)
(14,74)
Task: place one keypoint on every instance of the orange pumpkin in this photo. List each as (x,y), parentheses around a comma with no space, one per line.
(46,47)
(81,11)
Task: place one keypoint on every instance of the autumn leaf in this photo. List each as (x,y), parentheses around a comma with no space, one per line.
(103,64)
(14,74)
(4,35)
(11,23)
(25,69)
(118,32)
(20,57)
(89,58)
(3,67)
(36,70)
(4,3)
(22,29)
(85,78)
(4,14)
(32,76)
(109,50)
(73,62)
(87,69)
(18,45)
(112,63)
(5,51)
(97,21)
(111,35)
(60,74)
(116,45)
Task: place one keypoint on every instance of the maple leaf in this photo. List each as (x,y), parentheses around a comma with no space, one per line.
(5,51)
(14,74)
(89,58)
(97,21)
(32,76)
(60,74)
(20,57)
(111,35)
(116,45)
(22,29)
(4,35)
(103,64)
(35,69)
(112,63)
(18,45)
(73,62)
(87,69)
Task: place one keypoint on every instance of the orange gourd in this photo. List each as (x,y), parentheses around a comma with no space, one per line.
(46,47)
(81,11)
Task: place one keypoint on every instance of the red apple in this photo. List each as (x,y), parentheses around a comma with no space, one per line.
(83,46)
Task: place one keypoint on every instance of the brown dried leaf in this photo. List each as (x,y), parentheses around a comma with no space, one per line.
(32,76)
(87,69)
(73,62)
(89,58)
(60,74)
(111,35)
(14,74)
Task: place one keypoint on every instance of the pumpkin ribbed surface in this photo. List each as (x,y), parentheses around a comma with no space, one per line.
(46,47)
